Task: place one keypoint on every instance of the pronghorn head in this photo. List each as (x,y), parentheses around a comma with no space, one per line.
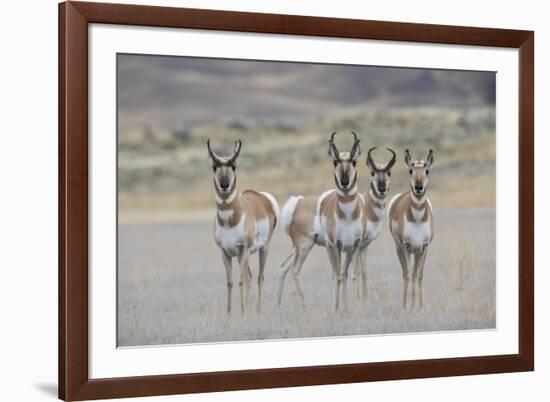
(419,171)
(224,168)
(380,174)
(345,174)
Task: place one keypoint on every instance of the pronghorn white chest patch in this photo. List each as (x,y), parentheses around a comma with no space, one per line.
(418,214)
(416,234)
(348,207)
(348,232)
(226,214)
(231,238)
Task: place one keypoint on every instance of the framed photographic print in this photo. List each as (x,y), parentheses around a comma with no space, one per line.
(258,200)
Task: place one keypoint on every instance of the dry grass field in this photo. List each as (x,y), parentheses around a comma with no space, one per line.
(172,286)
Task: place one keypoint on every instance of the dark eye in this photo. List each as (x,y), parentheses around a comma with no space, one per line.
(335,163)
(233,167)
(410,171)
(427,172)
(389,174)
(372,174)
(354,163)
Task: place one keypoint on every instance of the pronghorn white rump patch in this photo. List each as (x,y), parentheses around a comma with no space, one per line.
(288,211)
(274,204)
(225,214)
(231,238)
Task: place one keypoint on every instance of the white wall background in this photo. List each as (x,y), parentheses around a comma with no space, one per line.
(28,198)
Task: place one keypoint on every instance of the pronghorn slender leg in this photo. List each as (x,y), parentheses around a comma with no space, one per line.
(263,256)
(335,263)
(362,256)
(357,274)
(413,278)
(243,265)
(228,273)
(350,256)
(248,283)
(338,275)
(404,257)
(419,269)
(301,256)
(283,270)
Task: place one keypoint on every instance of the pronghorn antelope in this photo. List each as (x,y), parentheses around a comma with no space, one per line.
(411,224)
(333,220)
(374,204)
(244,223)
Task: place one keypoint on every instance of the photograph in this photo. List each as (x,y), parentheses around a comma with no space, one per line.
(271,200)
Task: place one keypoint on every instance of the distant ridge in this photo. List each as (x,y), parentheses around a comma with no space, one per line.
(166,92)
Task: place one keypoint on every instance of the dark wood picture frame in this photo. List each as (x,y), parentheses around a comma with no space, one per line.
(74,381)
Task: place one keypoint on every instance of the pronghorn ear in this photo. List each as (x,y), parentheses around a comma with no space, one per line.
(430,158)
(408,159)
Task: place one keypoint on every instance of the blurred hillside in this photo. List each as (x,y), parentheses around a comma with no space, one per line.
(284,114)
(172,92)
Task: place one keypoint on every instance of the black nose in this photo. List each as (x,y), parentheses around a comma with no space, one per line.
(344,180)
(224,183)
(381,189)
(418,187)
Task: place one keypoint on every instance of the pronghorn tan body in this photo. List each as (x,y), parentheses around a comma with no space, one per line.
(373,215)
(244,223)
(411,224)
(333,220)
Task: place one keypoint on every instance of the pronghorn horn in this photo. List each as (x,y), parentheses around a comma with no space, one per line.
(212,154)
(390,164)
(236,151)
(335,153)
(356,147)
(370,161)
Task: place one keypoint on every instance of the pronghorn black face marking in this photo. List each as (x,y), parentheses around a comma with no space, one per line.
(345,174)
(380,175)
(419,171)
(224,168)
